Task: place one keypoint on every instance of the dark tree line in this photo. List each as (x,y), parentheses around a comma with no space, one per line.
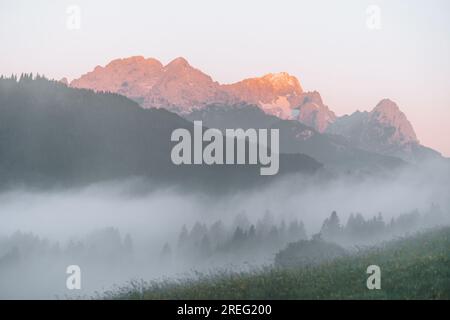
(359,229)
(335,239)
(243,238)
(238,239)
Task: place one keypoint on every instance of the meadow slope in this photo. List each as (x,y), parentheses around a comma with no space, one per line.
(414,267)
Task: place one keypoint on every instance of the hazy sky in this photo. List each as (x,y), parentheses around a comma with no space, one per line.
(326,44)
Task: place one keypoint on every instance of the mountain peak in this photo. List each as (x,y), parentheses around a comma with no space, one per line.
(180,87)
(275,93)
(178,62)
(128,76)
(284,80)
(133,60)
(386,106)
(385,130)
(313,112)
(387,114)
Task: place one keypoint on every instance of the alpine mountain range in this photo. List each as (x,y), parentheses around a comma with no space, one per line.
(189,92)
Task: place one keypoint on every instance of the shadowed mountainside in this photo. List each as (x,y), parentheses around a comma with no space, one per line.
(332,150)
(52,134)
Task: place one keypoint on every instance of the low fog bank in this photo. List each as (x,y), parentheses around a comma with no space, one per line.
(117,232)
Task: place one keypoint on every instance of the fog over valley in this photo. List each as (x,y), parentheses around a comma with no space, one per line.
(121,231)
(88,180)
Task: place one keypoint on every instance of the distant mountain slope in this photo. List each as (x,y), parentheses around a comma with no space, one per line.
(181,88)
(384,130)
(295,137)
(313,112)
(51,134)
(275,93)
(176,86)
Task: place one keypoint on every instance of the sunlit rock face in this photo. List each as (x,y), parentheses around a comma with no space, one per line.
(176,86)
(276,94)
(312,112)
(131,77)
(180,87)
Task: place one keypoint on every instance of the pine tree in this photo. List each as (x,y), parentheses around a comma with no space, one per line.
(331,228)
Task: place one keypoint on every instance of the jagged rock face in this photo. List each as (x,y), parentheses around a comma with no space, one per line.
(387,122)
(295,137)
(177,86)
(130,77)
(181,88)
(384,130)
(276,94)
(312,112)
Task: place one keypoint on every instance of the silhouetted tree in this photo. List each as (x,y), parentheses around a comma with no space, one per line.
(331,228)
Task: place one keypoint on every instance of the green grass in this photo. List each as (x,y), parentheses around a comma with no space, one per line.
(417,267)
